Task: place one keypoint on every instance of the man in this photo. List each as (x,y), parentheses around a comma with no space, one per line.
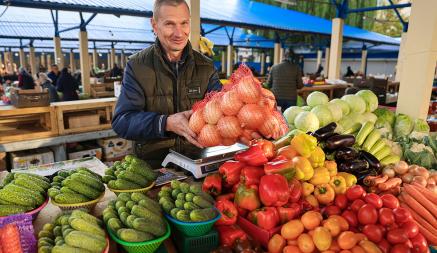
(285,79)
(160,85)
(54,73)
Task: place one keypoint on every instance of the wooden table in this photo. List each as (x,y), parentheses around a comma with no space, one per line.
(330,88)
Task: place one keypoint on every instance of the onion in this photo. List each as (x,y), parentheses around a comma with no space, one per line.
(212,112)
(432,188)
(229,127)
(251,116)
(196,122)
(401,167)
(421,171)
(267,100)
(420,180)
(430,181)
(270,126)
(228,142)
(283,127)
(231,104)
(209,136)
(407,177)
(248,90)
(388,171)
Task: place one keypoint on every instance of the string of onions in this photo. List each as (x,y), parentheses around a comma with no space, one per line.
(196,121)
(248,90)
(251,116)
(209,136)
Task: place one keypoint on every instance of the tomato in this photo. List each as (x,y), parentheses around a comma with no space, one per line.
(419,244)
(386,216)
(305,243)
(398,235)
(357,249)
(384,246)
(411,228)
(367,214)
(355,192)
(276,244)
(291,249)
(331,210)
(346,240)
(341,201)
(322,238)
(350,217)
(390,201)
(333,226)
(402,215)
(292,229)
(344,225)
(357,204)
(373,232)
(374,200)
(311,219)
(400,248)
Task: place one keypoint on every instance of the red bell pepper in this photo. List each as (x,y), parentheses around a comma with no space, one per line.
(212,184)
(247,197)
(229,196)
(280,165)
(235,188)
(253,156)
(228,234)
(295,189)
(288,213)
(251,175)
(230,171)
(267,146)
(266,218)
(229,212)
(273,190)
(242,212)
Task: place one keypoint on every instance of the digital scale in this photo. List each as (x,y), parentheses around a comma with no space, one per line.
(201,162)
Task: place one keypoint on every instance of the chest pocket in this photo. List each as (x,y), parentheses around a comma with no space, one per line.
(194,90)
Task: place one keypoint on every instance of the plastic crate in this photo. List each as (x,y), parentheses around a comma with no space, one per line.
(258,234)
(198,244)
(161,249)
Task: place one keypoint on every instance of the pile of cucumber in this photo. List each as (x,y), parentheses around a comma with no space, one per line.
(134,217)
(129,174)
(76,186)
(70,233)
(22,192)
(186,202)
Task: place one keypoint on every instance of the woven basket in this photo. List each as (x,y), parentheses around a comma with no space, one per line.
(86,205)
(193,228)
(142,190)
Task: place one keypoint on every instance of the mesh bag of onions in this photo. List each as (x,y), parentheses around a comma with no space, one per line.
(233,114)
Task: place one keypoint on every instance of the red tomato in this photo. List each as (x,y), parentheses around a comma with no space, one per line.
(402,215)
(419,244)
(351,218)
(390,201)
(373,232)
(411,228)
(400,248)
(398,235)
(367,214)
(386,216)
(384,246)
(341,201)
(409,244)
(355,192)
(373,199)
(331,210)
(357,204)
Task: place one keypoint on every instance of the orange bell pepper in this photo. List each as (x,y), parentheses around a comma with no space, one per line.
(324,194)
(288,152)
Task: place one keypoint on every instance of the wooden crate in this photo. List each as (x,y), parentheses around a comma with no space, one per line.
(83,119)
(103,107)
(102,90)
(21,124)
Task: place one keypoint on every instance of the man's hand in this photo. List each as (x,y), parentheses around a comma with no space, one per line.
(178,124)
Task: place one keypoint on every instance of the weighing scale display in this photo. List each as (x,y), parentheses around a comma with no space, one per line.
(200,155)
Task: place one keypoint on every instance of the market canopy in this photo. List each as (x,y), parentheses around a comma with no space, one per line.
(241,13)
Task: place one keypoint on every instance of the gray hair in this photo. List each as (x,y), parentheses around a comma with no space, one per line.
(159,3)
(43,77)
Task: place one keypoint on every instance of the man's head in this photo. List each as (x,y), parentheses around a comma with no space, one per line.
(54,68)
(171,23)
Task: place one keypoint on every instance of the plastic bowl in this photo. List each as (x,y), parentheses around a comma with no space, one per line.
(34,212)
(87,205)
(141,247)
(142,190)
(193,228)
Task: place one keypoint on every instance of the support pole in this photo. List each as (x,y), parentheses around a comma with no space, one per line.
(72,62)
(276,53)
(32,61)
(401,56)
(122,59)
(420,60)
(363,68)
(263,64)
(59,57)
(109,60)
(195,23)
(11,60)
(95,58)
(235,55)
(42,60)
(319,58)
(327,54)
(336,49)
(22,57)
(84,61)
(229,63)
(112,58)
(281,54)
(49,60)
(223,61)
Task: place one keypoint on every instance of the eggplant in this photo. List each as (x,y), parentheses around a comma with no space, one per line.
(326,130)
(371,159)
(339,141)
(354,166)
(346,154)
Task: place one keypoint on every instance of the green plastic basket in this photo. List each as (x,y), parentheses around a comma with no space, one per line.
(141,247)
(198,244)
(193,228)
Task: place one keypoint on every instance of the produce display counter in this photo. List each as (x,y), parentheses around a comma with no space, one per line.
(330,88)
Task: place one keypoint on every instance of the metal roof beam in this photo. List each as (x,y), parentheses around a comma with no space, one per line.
(377,8)
(214,29)
(404,24)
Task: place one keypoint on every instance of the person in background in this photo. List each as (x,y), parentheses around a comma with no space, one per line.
(46,83)
(25,80)
(54,73)
(116,71)
(349,72)
(68,86)
(319,70)
(284,80)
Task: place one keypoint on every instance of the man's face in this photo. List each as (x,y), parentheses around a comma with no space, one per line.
(55,69)
(172,26)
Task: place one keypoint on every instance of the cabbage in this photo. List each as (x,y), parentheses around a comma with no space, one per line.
(384,128)
(344,106)
(403,126)
(323,114)
(370,98)
(291,112)
(386,114)
(317,98)
(306,108)
(421,126)
(356,103)
(306,121)
(368,116)
(336,111)
(300,101)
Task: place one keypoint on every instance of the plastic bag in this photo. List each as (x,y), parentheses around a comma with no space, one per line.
(20,225)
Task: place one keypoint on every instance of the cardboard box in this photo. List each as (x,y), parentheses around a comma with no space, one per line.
(117,88)
(115,147)
(91,152)
(31,158)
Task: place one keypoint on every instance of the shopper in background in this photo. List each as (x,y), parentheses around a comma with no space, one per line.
(54,73)
(349,72)
(46,83)
(25,80)
(116,71)
(68,86)
(284,80)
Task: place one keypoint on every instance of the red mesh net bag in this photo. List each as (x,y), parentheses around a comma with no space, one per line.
(243,107)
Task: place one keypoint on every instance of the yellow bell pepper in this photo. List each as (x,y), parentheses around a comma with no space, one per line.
(304,144)
(317,157)
(304,170)
(332,167)
(321,176)
(339,184)
(307,189)
(350,179)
